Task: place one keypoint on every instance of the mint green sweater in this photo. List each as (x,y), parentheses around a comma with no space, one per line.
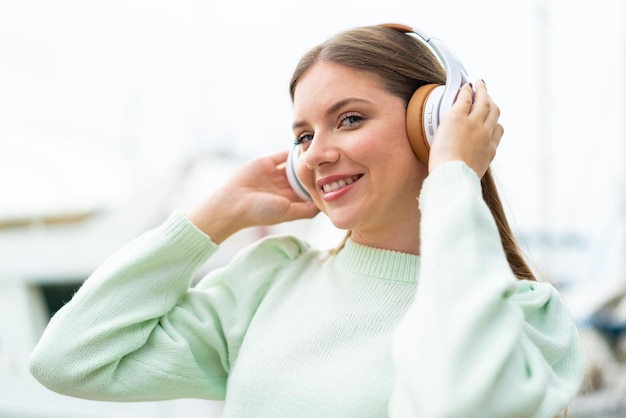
(287,331)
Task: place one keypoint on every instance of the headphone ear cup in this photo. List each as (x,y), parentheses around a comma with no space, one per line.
(416,120)
(292,177)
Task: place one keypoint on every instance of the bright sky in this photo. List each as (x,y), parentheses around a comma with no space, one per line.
(142,84)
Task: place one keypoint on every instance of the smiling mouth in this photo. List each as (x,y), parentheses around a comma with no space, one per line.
(336,185)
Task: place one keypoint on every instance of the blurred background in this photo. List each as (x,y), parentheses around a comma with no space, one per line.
(114,113)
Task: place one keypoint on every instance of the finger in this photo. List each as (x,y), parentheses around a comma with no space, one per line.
(482,102)
(302,210)
(493,115)
(279,157)
(464,99)
(498,132)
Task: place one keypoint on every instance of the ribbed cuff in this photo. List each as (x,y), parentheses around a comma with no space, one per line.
(187,236)
(447,174)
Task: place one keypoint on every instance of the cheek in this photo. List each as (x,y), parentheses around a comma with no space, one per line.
(384,147)
(394,159)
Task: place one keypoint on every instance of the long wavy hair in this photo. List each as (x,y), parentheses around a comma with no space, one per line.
(404,64)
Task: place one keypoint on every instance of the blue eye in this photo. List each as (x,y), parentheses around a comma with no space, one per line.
(303,139)
(350,119)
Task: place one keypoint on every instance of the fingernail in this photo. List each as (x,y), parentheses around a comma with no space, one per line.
(483,82)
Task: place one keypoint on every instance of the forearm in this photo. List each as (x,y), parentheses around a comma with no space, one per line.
(484,340)
(115,311)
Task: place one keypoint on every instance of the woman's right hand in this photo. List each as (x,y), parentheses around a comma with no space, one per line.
(257,194)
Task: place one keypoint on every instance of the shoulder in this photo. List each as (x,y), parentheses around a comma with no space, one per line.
(261,260)
(278,248)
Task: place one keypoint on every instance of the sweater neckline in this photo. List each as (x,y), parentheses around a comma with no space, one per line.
(378,263)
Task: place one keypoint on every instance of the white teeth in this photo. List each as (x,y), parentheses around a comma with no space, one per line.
(338,184)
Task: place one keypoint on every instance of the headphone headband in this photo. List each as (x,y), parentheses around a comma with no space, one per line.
(456,74)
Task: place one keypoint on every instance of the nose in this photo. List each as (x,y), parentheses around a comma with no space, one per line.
(320,151)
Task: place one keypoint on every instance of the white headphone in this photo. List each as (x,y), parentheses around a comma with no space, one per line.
(425,110)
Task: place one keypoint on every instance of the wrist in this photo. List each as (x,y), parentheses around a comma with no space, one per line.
(218,222)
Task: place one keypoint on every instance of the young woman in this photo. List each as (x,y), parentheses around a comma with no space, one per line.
(426,310)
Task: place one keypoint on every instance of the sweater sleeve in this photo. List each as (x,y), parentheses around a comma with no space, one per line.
(136,331)
(477,342)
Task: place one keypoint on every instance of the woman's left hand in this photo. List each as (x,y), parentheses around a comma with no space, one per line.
(469,132)
(256,194)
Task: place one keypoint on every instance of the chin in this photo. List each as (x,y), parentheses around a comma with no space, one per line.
(342,223)
(346,218)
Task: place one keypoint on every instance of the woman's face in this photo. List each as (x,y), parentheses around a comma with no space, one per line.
(355,158)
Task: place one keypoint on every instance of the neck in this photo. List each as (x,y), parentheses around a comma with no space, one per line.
(405,240)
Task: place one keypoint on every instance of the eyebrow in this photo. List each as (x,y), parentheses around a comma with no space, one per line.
(334,108)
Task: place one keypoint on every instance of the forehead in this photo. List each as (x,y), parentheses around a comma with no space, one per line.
(327,82)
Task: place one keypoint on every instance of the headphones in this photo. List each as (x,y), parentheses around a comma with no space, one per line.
(425,110)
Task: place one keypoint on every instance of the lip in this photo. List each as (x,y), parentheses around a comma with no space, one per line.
(336,194)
